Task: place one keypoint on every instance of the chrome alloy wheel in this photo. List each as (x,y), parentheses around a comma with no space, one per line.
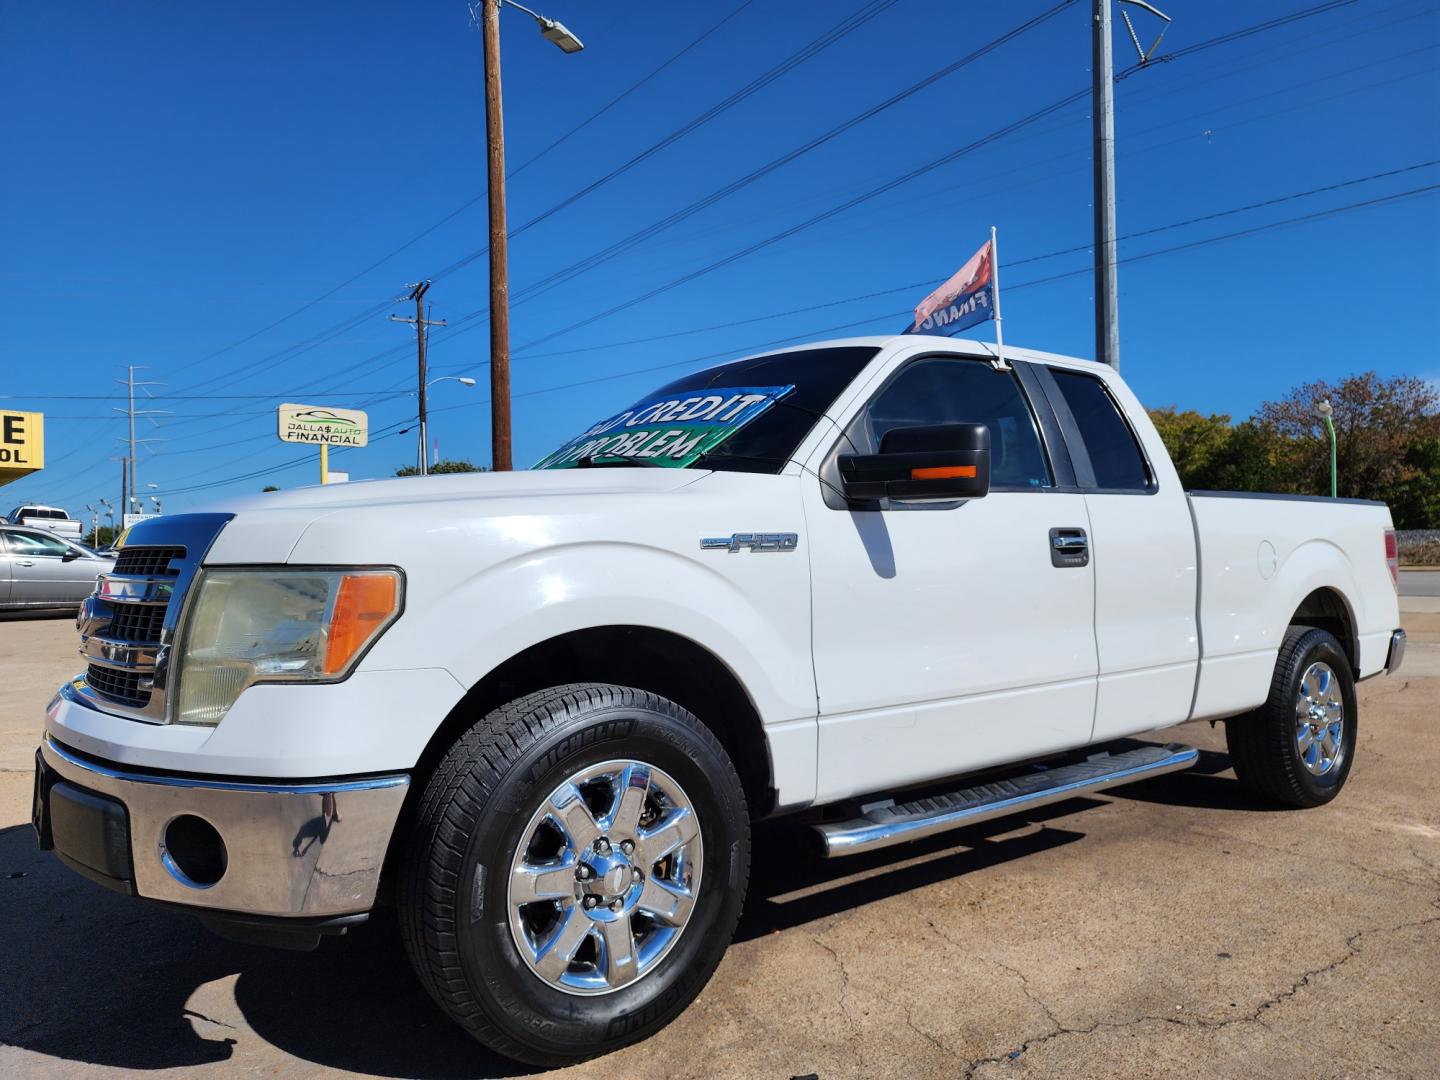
(1319,719)
(605,877)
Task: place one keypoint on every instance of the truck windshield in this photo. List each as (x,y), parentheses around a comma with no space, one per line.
(745,416)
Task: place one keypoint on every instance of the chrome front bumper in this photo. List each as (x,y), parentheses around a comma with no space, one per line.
(310,850)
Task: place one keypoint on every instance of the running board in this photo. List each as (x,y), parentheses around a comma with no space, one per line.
(883,824)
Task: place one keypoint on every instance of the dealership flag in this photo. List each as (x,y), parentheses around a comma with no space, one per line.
(970,297)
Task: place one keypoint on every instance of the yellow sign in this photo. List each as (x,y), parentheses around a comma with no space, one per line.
(22,444)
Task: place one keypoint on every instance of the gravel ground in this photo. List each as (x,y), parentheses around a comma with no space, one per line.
(1170,928)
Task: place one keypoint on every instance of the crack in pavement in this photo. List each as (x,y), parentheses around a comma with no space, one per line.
(208,1020)
(844,988)
(1310,857)
(1351,951)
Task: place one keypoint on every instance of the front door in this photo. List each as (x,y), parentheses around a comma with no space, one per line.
(946,636)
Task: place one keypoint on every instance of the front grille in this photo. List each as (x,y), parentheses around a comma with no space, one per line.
(122,625)
(148,561)
(138,624)
(122,687)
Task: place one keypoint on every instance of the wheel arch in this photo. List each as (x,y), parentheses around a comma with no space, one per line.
(659,661)
(1326,608)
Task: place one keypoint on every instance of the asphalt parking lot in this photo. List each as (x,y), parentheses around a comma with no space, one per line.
(1170,928)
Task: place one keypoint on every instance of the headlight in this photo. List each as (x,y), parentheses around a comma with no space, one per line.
(276,625)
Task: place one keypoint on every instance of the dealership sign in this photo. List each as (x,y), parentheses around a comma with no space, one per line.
(22,444)
(321,426)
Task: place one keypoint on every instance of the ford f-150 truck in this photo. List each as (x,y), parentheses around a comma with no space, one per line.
(894,585)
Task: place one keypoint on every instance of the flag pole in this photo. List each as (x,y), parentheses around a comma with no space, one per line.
(995,288)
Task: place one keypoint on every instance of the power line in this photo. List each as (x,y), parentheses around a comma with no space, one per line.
(622,95)
(912,174)
(604,255)
(810,334)
(847,26)
(849,204)
(836,33)
(1230,37)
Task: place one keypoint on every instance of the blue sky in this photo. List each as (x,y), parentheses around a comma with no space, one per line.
(181,179)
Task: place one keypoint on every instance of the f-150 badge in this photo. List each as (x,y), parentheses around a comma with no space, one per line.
(753,541)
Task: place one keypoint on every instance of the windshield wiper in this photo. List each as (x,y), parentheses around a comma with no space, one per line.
(613,461)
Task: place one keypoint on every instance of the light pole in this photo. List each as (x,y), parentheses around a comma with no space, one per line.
(463,380)
(564,40)
(1326,411)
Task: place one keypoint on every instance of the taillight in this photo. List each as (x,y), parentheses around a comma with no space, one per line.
(1392,557)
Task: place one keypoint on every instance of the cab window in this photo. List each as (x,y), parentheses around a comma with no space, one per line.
(940,390)
(1114,451)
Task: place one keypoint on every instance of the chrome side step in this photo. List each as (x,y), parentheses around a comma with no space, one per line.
(884,824)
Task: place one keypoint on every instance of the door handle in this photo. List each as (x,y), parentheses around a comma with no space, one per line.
(1069,548)
(26,562)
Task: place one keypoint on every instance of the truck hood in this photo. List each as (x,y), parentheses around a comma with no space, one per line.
(420,490)
(266,527)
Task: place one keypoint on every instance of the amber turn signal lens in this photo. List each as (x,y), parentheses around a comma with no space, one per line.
(944,472)
(363,605)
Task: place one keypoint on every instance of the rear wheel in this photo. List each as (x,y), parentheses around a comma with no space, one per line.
(578,866)
(1297,748)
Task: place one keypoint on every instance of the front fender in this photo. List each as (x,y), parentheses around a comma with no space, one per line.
(750,611)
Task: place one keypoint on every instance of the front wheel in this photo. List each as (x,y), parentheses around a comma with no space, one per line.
(1297,748)
(578,865)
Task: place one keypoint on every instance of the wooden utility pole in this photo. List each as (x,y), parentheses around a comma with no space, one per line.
(422,333)
(499,256)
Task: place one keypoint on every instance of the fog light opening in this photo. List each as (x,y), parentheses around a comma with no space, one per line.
(192,851)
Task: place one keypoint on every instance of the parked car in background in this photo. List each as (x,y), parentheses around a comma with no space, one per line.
(41,570)
(46,517)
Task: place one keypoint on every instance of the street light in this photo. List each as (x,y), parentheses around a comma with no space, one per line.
(463,380)
(1325,411)
(551,30)
(567,42)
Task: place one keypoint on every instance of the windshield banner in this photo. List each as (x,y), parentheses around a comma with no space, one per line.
(674,431)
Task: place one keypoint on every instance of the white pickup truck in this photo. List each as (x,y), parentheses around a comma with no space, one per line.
(46,517)
(875,582)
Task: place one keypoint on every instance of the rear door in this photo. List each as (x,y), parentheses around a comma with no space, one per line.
(1143,546)
(947,636)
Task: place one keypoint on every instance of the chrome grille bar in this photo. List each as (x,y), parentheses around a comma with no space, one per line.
(129,624)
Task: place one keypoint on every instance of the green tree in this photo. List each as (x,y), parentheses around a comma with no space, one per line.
(101,537)
(447,466)
(1197,443)
(1385,435)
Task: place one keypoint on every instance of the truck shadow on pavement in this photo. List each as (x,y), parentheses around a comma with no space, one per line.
(92,977)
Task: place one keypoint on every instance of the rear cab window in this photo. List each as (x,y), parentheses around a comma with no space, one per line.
(1113,449)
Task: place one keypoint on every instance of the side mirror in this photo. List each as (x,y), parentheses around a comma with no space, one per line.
(70,555)
(941,461)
